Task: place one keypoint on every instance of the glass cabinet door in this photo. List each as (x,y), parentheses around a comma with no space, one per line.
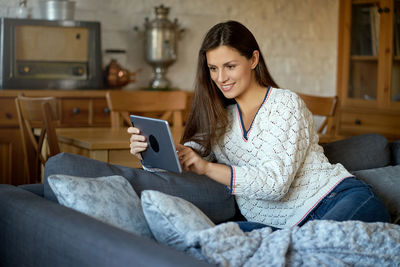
(395,76)
(364,49)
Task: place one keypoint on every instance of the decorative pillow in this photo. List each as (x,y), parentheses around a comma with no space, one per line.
(171,218)
(386,184)
(109,199)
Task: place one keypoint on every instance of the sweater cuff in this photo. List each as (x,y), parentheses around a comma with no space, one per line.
(231,188)
(150,169)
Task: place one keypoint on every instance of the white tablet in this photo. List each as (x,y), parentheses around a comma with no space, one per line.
(161,152)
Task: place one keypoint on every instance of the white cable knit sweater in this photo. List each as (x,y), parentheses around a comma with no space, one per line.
(279,172)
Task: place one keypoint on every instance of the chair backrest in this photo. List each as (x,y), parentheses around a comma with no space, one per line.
(322,106)
(166,105)
(37,117)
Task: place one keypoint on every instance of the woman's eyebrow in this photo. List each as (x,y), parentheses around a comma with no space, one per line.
(230,62)
(225,64)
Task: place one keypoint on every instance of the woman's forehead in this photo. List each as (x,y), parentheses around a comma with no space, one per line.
(222,54)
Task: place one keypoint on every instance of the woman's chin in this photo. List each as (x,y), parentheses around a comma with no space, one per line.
(228,94)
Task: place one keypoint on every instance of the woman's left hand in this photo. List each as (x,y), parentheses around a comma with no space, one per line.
(190,160)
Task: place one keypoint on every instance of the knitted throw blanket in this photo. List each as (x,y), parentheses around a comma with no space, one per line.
(317,243)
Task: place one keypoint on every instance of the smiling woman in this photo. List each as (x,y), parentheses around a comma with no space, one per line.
(260,141)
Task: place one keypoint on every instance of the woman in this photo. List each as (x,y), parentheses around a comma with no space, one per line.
(260,141)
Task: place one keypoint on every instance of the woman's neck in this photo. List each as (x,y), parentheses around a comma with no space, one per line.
(250,101)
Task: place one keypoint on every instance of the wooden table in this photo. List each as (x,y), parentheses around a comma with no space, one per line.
(110,144)
(106,144)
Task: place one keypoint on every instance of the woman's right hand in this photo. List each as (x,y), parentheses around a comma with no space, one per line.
(138,142)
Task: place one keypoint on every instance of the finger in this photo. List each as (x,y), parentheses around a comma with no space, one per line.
(187,161)
(179,147)
(136,154)
(133,130)
(139,145)
(136,137)
(185,151)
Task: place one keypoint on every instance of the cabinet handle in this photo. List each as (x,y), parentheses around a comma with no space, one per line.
(9,116)
(76,111)
(384,10)
(107,110)
(357,122)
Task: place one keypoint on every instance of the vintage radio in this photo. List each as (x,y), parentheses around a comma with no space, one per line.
(44,54)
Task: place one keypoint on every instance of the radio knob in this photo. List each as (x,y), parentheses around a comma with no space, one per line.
(77,71)
(24,69)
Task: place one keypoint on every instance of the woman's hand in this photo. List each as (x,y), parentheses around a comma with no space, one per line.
(138,142)
(190,160)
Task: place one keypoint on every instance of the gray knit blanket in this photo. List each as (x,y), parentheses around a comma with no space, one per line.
(317,243)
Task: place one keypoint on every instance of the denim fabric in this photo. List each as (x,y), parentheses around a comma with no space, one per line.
(246,226)
(351,199)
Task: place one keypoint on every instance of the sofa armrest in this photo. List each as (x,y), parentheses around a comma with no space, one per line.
(37,189)
(38,232)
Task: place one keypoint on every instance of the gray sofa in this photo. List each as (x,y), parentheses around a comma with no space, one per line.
(36,231)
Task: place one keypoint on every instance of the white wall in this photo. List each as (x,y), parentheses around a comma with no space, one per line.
(297,37)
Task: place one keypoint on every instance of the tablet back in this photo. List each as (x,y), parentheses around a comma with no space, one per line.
(161,152)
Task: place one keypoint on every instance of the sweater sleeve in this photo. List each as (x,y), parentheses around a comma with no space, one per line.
(196,146)
(284,139)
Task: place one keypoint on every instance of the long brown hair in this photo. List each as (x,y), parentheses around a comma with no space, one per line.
(207,120)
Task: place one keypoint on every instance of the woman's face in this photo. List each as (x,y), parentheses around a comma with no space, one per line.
(231,71)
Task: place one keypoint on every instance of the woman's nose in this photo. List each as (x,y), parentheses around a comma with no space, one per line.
(222,77)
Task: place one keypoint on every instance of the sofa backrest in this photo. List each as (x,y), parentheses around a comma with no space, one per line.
(360,152)
(395,152)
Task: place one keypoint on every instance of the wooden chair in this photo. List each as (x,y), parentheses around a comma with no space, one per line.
(166,105)
(322,106)
(37,113)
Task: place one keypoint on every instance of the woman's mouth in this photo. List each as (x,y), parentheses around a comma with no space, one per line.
(227,87)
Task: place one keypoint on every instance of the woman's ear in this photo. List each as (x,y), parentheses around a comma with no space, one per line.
(254,59)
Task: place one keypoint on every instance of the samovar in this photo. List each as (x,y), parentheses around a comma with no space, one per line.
(161,36)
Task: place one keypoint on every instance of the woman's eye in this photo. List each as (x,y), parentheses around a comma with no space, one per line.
(212,69)
(231,67)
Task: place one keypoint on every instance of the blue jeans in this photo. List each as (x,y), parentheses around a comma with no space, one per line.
(351,199)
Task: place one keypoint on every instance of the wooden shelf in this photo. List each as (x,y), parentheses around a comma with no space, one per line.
(364,58)
(363,2)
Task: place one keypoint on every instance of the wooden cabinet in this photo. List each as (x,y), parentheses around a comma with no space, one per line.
(77,108)
(368,77)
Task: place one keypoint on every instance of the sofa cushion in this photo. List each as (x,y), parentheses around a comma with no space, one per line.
(108,199)
(360,152)
(171,218)
(206,194)
(385,182)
